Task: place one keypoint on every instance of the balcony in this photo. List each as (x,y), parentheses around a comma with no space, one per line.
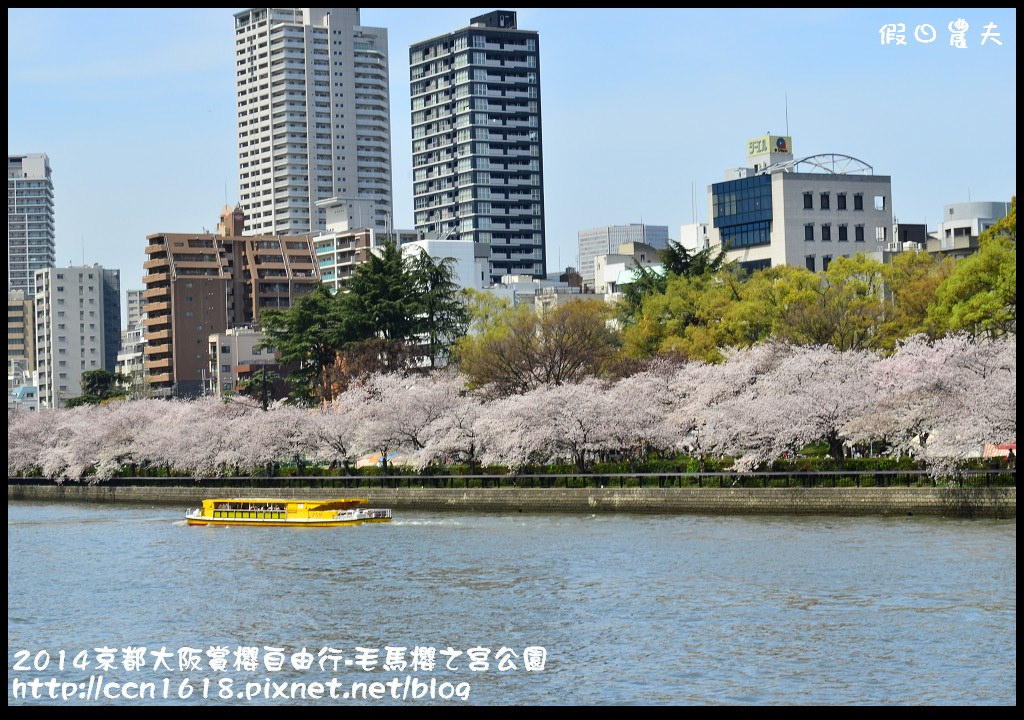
(153,278)
(161,378)
(157,292)
(155,263)
(156,248)
(151,322)
(159,364)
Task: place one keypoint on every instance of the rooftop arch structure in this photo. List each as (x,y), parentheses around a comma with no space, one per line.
(825,163)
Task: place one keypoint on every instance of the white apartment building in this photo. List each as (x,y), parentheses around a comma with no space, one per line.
(607,239)
(234,357)
(31,242)
(313,116)
(130,359)
(73,334)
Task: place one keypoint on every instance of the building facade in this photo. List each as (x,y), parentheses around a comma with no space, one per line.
(478,168)
(198,284)
(962,225)
(73,320)
(803,212)
(234,356)
(609,268)
(21,333)
(134,303)
(31,238)
(607,239)
(314,117)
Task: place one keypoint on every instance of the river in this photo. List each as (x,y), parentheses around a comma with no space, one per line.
(629,609)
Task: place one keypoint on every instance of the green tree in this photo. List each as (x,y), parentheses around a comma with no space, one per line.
(519,350)
(912,280)
(384,295)
(980,294)
(676,261)
(308,337)
(260,386)
(99,386)
(846,311)
(443,312)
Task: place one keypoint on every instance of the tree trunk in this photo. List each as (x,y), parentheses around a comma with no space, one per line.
(835,449)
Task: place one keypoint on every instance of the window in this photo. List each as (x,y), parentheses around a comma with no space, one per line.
(825,201)
(840,201)
(826,233)
(858,233)
(809,232)
(858,201)
(825,260)
(844,235)
(879,202)
(809,262)
(225,349)
(808,201)
(225,368)
(880,234)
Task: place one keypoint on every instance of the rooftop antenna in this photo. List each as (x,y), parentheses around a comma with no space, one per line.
(225,192)
(693,201)
(787,114)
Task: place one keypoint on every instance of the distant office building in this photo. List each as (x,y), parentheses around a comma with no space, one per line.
(607,239)
(78,312)
(314,118)
(477,141)
(779,210)
(31,242)
(198,284)
(134,301)
(21,330)
(962,225)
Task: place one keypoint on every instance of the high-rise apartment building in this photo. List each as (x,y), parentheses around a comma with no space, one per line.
(476,129)
(200,284)
(31,243)
(313,116)
(78,314)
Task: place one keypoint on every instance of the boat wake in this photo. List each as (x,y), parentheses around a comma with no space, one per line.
(439,523)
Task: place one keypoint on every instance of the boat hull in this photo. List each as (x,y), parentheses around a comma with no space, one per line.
(200,521)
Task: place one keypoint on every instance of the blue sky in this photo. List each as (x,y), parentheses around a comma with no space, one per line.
(136,110)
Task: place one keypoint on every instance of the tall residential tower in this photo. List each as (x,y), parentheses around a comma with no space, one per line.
(476,141)
(313,116)
(30,233)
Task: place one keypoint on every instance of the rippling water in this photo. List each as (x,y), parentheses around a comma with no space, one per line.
(632,609)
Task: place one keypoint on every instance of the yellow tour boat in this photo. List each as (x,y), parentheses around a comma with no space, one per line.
(286,513)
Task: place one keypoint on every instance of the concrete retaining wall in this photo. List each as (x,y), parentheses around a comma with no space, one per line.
(995,502)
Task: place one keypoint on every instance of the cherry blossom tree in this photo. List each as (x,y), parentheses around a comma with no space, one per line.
(942,400)
(557,422)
